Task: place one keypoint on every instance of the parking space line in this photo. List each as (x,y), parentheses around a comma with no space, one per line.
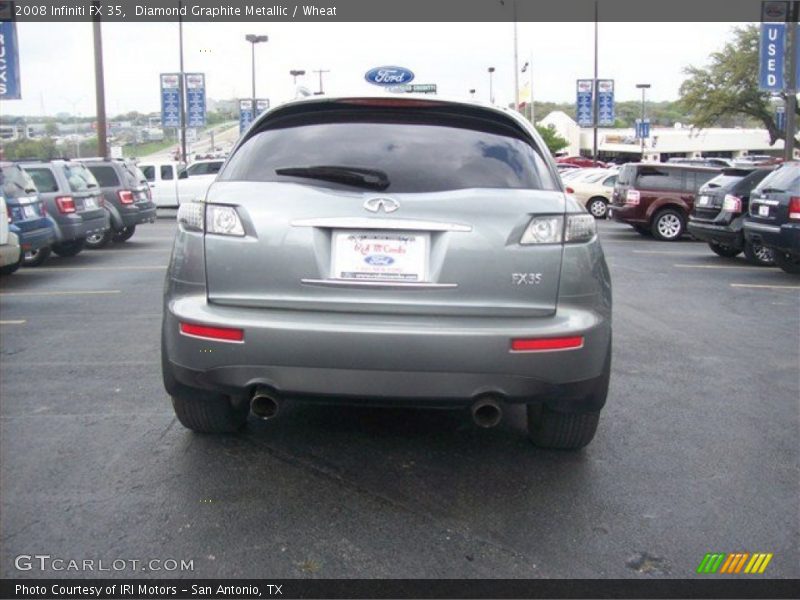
(765,286)
(120,268)
(14,322)
(62,293)
(674,252)
(719,267)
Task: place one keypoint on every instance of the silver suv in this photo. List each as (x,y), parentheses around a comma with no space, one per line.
(389,250)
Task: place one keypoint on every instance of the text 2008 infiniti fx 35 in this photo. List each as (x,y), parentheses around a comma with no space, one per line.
(389,250)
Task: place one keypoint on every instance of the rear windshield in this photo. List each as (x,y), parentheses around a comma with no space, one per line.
(80,178)
(413,157)
(743,178)
(43,178)
(626,175)
(133,175)
(105,175)
(785,179)
(16,182)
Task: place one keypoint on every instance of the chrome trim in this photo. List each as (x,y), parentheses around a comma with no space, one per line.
(369,223)
(378,284)
(387,205)
(766,201)
(762,227)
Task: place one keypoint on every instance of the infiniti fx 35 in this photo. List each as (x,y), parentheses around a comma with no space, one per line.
(389,250)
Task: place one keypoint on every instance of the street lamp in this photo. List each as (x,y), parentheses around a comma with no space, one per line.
(295,73)
(472,92)
(254,39)
(491,85)
(643,87)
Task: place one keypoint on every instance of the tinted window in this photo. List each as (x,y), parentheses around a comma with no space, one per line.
(166,172)
(149,172)
(700,179)
(16,182)
(724,181)
(43,178)
(414,157)
(204,168)
(106,176)
(657,178)
(80,178)
(786,179)
(131,175)
(626,175)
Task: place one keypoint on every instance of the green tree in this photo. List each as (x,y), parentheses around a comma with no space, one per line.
(728,86)
(554,141)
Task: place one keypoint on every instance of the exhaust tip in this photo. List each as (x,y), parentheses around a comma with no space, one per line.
(264,405)
(487,413)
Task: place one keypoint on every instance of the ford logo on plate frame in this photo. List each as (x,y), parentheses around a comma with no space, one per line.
(379,260)
(389,76)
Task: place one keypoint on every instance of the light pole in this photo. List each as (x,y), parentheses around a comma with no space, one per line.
(320,72)
(644,87)
(254,39)
(295,73)
(491,85)
(472,92)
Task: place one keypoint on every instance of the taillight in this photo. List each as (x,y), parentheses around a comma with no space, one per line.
(794,208)
(224,334)
(545,344)
(732,204)
(125,196)
(570,190)
(632,197)
(65,204)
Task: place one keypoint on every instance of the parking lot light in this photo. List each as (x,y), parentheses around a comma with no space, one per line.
(254,39)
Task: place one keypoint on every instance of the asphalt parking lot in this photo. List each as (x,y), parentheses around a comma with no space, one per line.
(697,449)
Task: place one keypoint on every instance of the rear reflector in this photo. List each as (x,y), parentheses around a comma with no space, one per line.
(538,345)
(213,333)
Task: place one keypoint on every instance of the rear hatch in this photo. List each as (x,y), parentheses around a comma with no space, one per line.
(409,208)
(85,191)
(136,182)
(625,180)
(769,202)
(734,182)
(24,207)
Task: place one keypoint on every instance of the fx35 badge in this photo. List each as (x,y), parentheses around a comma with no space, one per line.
(526,278)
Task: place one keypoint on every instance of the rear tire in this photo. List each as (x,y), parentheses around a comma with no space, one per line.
(98,240)
(548,428)
(668,225)
(787,262)
(723,251)
(67,249)
(35,257)
(598,207)
(124,234)
(759,255)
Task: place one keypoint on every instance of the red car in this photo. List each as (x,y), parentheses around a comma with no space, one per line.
(581,161)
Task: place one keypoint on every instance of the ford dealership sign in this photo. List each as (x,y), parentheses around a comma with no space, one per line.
(389,76)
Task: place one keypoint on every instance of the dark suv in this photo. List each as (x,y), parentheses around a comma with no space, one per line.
(719,212)
(26,212)
(657,198)
(127,199)
(774,219)
(73,201)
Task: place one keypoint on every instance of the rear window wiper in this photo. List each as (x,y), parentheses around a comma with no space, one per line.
(770,190)
(355,176)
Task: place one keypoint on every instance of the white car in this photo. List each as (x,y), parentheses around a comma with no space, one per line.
(594,191)
(10,253)
(170,184)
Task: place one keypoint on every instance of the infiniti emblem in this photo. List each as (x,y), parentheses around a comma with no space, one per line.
(377,204)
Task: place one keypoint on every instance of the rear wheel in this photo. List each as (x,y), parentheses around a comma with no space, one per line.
(35,257)
(598,207)
(67,249)
(724,251)
(98,240)
(759,255)
(668,225)
(548,428)
(787,262)
(124,234)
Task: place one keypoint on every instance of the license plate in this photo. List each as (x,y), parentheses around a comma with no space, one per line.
(89,203)
(28,211)
(704,201)
(763,211)
(380,255)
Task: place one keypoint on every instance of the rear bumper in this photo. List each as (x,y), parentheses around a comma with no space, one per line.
(376,359)
(9,253)
(784,238)
(629,213)
(35,239)
(137,215)
(726,235)
(80,229)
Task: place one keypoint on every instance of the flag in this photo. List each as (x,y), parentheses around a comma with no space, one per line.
(524,67)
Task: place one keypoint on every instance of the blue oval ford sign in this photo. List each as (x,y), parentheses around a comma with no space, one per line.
(379,260)
(389,76)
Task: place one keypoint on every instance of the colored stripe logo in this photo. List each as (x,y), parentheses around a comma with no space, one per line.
(734,563)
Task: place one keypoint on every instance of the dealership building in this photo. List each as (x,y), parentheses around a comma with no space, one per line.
(664,142)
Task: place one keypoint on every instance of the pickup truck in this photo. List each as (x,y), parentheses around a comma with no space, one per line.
(170,184)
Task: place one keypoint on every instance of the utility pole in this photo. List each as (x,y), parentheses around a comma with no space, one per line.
(182,85)
(644,87)
(594,86)
(100,88)
(516,59)
(491,85)
(791,92)
(320,73)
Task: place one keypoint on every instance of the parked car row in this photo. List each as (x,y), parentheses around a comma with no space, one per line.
(60,206)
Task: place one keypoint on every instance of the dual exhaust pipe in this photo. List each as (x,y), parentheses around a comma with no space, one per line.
(486,411)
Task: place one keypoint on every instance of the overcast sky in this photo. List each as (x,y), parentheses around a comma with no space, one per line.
(57,68)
